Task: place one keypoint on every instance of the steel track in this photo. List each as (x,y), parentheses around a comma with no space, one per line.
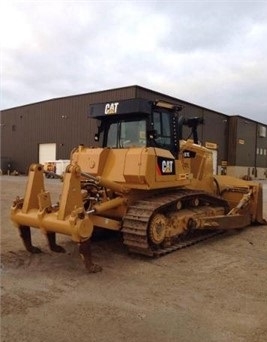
(136,221)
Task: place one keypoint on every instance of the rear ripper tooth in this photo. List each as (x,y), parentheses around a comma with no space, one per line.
(135,223)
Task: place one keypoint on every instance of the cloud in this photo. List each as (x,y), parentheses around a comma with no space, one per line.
(209,53)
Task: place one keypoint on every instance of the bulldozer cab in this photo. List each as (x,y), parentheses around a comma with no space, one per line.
(138,123)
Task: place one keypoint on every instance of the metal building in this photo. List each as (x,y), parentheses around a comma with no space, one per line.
(247,148)
(49,130)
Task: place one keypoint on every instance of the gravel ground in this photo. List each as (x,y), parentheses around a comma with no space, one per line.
(213,291)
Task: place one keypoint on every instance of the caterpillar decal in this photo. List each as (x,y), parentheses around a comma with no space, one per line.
(166,166)
(111,108)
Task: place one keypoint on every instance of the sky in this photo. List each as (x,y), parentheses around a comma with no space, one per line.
(210,53)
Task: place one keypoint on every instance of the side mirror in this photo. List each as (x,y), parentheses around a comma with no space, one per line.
(152,134)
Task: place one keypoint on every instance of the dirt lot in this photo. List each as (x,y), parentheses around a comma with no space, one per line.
(213,291)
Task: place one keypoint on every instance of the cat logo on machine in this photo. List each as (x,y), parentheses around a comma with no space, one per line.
(111,108)
(166,166)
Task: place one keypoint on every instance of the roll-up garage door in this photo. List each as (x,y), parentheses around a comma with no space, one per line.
(47,152)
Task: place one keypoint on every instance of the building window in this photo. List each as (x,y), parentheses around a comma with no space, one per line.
(262,131)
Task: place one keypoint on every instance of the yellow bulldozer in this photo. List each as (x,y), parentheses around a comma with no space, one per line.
(142,180)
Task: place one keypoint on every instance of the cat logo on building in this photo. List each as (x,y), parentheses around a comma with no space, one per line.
(166,166)
(111,108)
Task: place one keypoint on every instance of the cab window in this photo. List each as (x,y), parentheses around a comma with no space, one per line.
(126,133)
(161,123)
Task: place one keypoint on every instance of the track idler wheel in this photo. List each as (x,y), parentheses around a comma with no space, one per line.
(157,229)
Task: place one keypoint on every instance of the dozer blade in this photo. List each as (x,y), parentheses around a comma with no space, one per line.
(259,206)
(234,191)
